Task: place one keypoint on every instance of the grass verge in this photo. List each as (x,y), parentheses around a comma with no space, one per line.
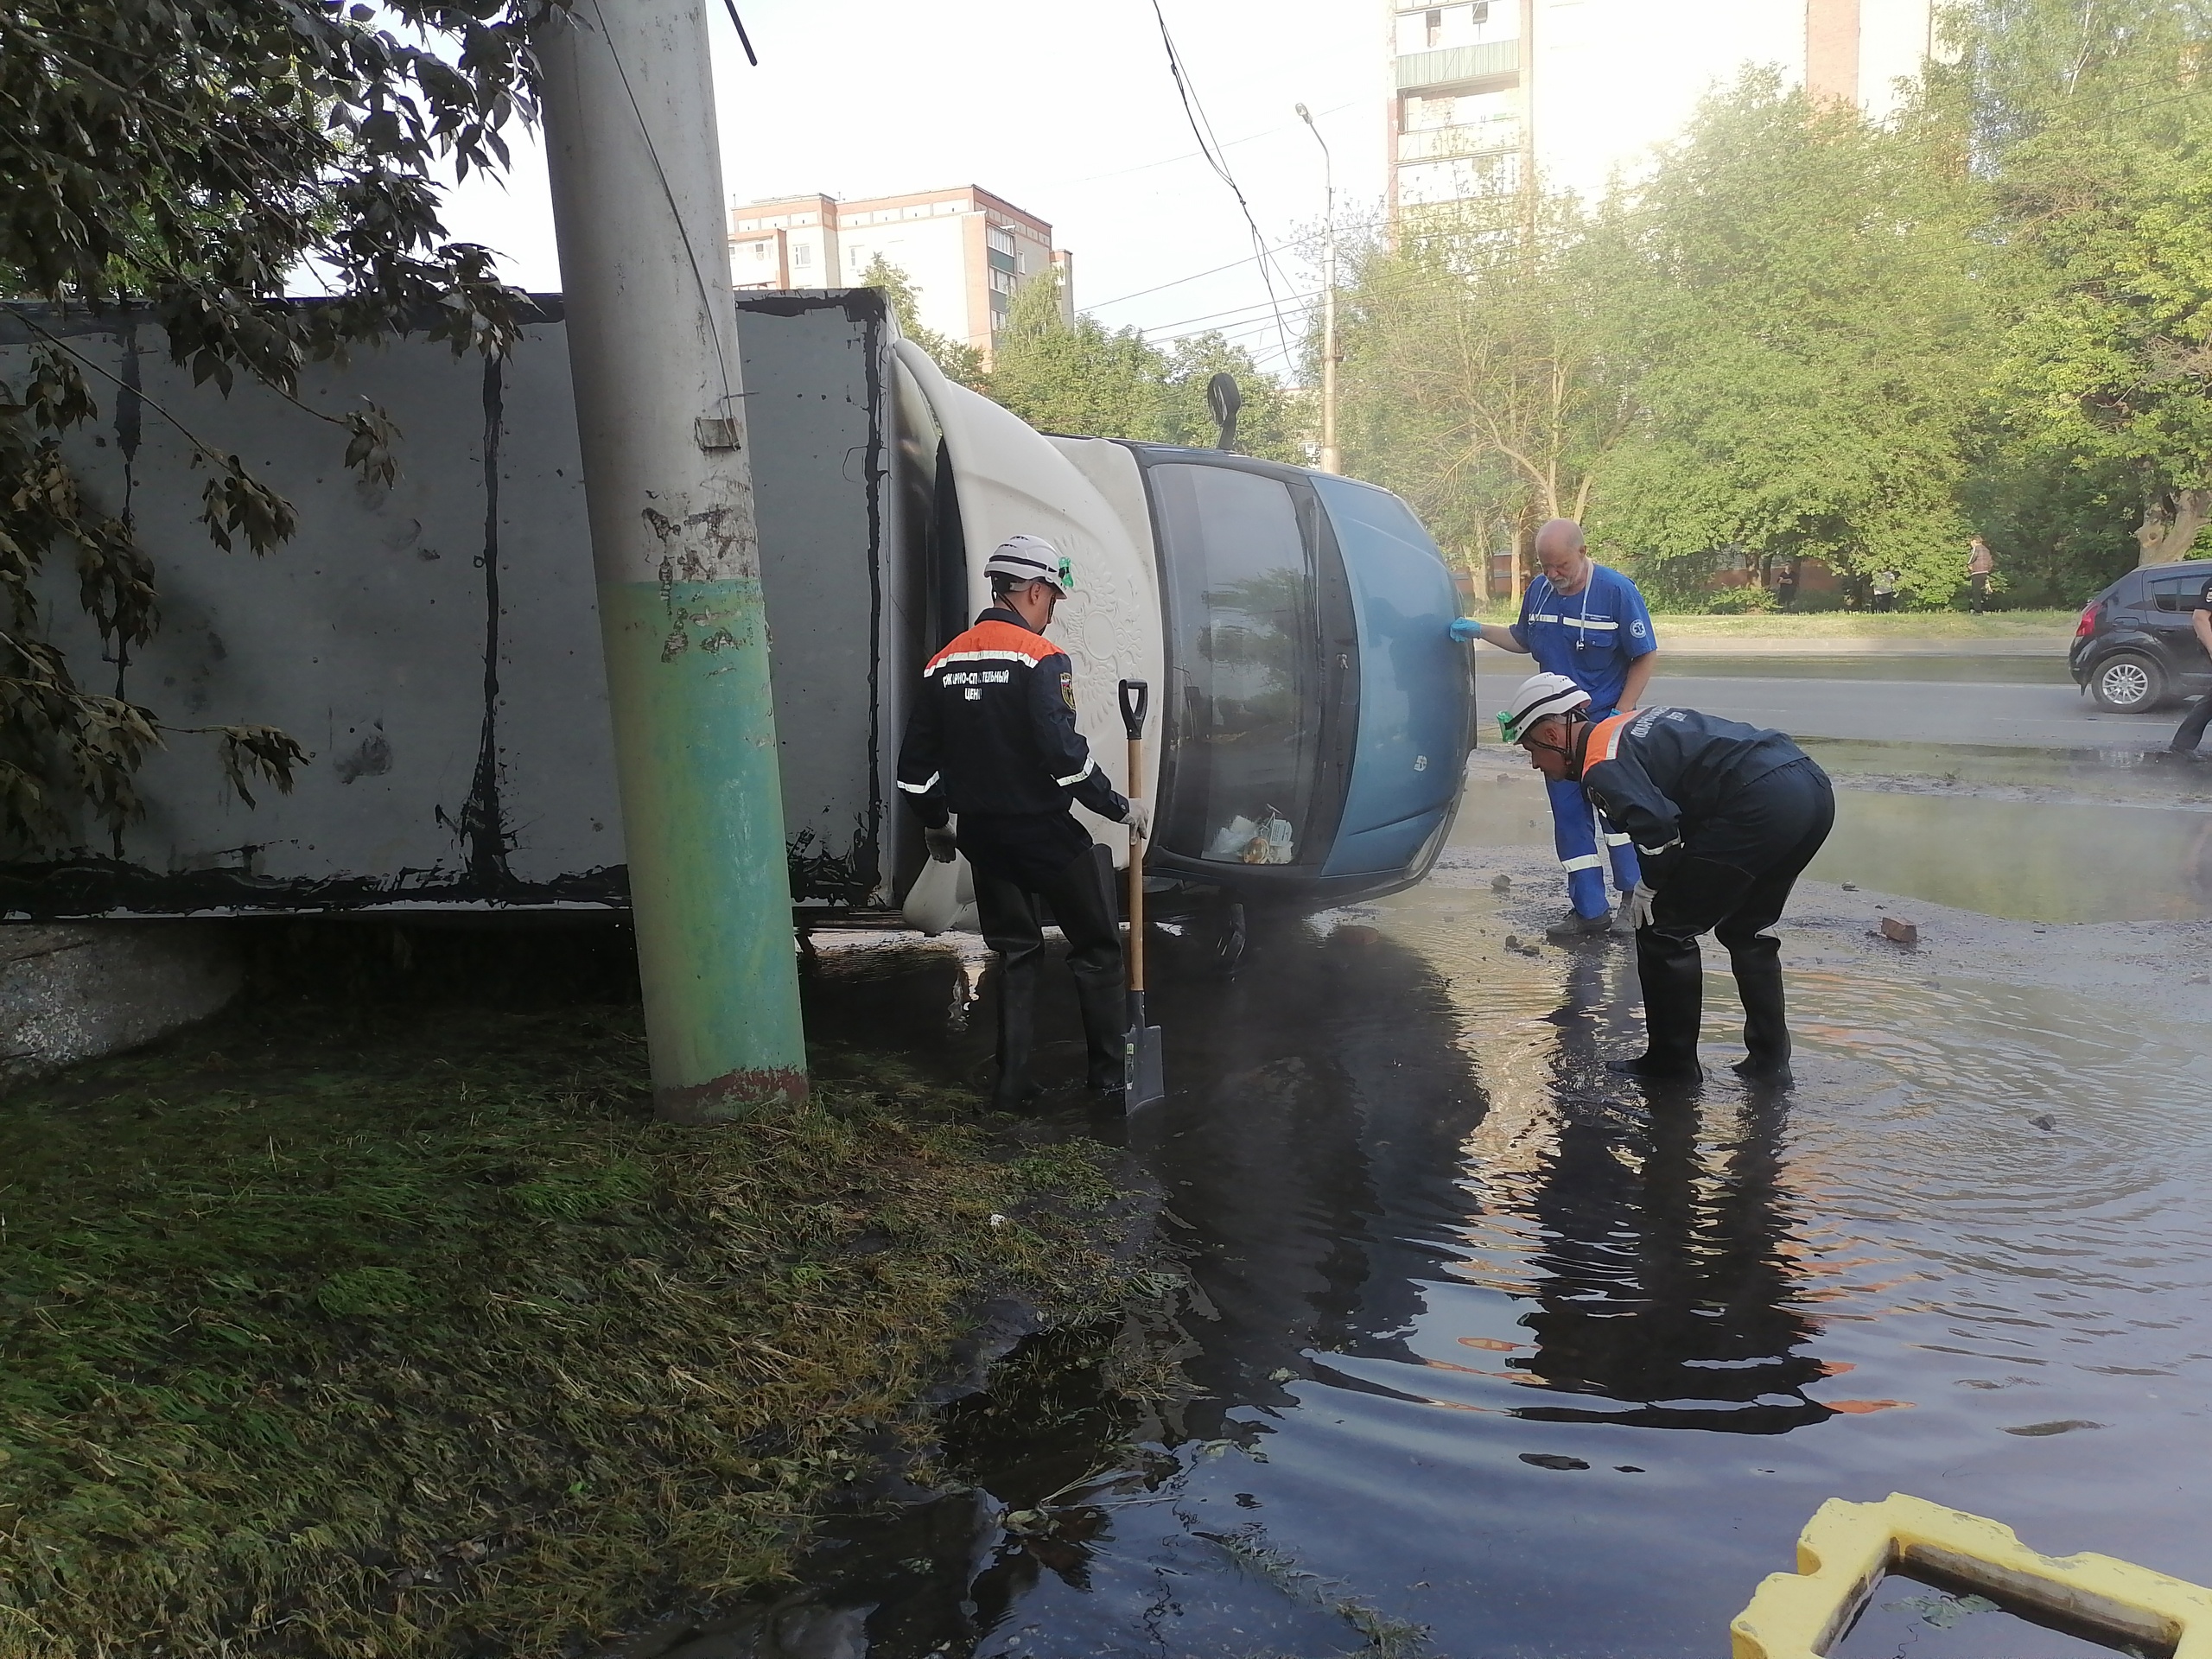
(422,1336)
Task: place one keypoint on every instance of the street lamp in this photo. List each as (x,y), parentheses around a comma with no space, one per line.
(1329,462)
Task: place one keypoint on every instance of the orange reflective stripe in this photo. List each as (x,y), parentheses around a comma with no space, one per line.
(997,640)
(1606,738)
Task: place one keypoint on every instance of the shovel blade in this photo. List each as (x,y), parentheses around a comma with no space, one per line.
(1144,1075)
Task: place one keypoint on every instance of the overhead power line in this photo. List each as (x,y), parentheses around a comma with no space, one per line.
(1209,146)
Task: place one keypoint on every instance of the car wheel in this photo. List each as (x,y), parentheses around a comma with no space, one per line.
(2128,683)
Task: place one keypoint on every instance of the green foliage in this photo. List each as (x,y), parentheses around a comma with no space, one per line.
(961,362)
(406,1335)
(1806,328)
(1085,379)
(1078,377)
(1808,335)
(186,156)
(1478,378)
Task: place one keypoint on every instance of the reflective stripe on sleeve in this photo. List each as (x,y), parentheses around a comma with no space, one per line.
(1584,862)
(1089,766)
(1617,840)
(921,788)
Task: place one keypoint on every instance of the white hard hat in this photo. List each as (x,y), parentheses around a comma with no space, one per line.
(1031,558)
(1540,695)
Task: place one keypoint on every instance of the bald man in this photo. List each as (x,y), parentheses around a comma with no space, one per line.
(1589,623)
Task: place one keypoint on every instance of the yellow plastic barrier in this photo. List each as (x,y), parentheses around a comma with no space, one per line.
(1846,1548)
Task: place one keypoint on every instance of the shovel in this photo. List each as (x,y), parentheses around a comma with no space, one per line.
(1143,1075)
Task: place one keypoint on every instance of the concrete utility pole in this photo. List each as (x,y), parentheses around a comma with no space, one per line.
(1330,462)
(639,209)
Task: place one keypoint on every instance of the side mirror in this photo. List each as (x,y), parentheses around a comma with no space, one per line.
(1223,400)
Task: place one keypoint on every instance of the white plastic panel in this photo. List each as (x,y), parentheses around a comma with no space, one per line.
(1012,481)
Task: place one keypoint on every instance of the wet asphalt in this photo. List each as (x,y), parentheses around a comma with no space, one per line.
(1497,1356)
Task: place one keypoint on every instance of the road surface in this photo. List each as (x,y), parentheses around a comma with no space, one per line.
(1947,700)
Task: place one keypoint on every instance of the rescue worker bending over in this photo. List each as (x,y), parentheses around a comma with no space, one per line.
(1724,816)
(992,740)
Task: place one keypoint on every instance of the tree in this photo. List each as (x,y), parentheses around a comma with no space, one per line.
(1801,313)
(1475,376)
(1270,425)
(186,156)
(960,361)
(1076,378)
(2097,129)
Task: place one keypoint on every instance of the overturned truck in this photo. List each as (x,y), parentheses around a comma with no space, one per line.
(433,643)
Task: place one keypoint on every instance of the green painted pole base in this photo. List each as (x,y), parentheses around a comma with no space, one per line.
(687,673)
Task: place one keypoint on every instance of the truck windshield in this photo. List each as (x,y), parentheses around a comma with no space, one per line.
(1246,664)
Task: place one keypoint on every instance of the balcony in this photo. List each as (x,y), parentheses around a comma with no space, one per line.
(1452,65)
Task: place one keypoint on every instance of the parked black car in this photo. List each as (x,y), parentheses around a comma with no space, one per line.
(2133,648)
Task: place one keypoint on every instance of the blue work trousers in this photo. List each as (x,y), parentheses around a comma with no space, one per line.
(1575,832)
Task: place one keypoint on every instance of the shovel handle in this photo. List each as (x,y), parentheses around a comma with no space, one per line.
(1136,697)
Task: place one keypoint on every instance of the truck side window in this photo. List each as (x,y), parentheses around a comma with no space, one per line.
(1248,673)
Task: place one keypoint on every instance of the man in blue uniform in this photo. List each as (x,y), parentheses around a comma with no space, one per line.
(1589,623)
(991,738)
(1725,817)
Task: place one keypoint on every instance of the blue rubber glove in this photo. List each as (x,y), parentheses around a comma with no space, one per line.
(1466,629)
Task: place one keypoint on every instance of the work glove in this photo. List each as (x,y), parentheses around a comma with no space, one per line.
(1139,819)
(1636,908)
(942,842)
(1466,629)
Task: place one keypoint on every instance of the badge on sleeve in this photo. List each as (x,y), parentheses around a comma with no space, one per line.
(1637,629)
(1067,690)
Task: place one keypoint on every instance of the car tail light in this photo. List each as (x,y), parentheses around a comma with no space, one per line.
(2087,625)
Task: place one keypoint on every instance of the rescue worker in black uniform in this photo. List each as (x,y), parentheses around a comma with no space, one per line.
(1725,817)
(993,740)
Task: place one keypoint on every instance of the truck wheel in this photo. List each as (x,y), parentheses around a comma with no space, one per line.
(2128,682)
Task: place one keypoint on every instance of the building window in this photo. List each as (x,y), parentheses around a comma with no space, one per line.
(759,250)
(1435,23)
(1478,14)
(1002,240)
(802,253)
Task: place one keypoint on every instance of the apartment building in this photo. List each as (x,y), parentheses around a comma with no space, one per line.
(964,249)
(1581,91)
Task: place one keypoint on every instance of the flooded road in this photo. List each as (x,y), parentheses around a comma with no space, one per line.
(1501,1356)
(2035,836)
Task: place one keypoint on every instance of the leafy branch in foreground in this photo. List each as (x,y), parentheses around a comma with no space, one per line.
(184,158)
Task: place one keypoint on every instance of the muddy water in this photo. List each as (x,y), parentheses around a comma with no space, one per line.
(1494,1345)
(2017,833)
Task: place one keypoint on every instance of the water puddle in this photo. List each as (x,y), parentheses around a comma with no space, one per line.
(2013,833)
(1499,1357)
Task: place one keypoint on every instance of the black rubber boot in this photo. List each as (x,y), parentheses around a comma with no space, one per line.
(1017,1025)
(1104,1004)
(1766,1031)
(1672,974)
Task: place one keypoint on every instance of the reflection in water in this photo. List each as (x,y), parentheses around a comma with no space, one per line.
(1662,1288)
(1457,1292)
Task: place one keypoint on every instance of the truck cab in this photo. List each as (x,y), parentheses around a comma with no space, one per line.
(1313,712)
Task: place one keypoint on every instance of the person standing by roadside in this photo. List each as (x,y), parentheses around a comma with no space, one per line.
(2190,732)
(1591,624)
(1884,590)
(992,740)
(1981,564)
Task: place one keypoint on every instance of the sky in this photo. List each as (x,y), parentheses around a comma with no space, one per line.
(1065,109)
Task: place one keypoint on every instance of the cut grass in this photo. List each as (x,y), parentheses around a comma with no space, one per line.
(423,1336)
